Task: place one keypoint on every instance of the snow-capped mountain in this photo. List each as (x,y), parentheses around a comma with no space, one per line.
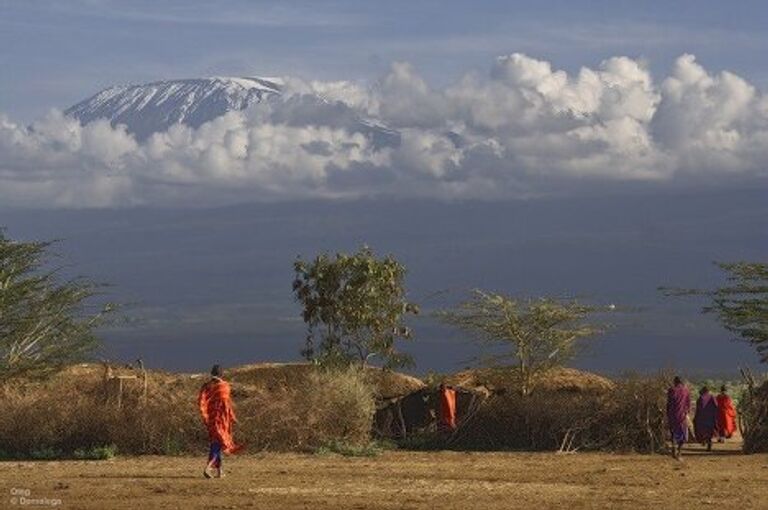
(153,107)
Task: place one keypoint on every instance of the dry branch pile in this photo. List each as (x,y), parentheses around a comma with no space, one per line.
(280,407)
(754,411)
(568,410)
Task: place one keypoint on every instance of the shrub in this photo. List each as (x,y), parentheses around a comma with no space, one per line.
(632,417)
(74,416)
(538,421)
(754,415)
(626,416)
(335,405)
(96,453)
(371,449)
(68,417)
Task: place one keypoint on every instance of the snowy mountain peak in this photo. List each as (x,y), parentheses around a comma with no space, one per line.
(153,107)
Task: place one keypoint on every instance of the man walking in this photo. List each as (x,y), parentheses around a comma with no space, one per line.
(218,415)
(726,415)
(678,406)
(705,420)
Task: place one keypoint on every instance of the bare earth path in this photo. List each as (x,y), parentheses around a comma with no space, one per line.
(396,480)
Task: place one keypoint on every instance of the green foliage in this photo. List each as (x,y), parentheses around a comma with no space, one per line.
(424,441)
(433,379)
(46,453)
(43,322)
(737,389)
(742,304)
(346,449)
(172,445)
(354,306)
(49,453)
(96,453)
(537,334)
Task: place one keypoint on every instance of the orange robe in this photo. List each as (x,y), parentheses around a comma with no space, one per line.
(726,416)
(218,413)
(447,409)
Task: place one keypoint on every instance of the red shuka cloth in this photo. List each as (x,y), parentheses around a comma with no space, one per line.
(448,409)
(726,416)
(218,413)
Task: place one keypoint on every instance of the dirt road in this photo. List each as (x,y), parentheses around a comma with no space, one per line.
(395,480)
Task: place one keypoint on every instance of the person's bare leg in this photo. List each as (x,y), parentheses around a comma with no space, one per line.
(208,467)
(218,465)
(214,460)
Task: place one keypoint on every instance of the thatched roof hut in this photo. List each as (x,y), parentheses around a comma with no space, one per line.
(387,384)
(503,379)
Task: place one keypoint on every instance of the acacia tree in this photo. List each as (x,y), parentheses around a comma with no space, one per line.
(535,334)
(354,307)
(43,322)
(742,304)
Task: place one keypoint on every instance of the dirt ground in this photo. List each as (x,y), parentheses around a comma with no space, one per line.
(396,480)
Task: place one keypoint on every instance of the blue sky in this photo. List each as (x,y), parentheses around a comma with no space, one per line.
(54,53)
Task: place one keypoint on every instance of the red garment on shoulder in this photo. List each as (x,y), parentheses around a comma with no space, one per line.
(726,416)
(447,409)
(218,413)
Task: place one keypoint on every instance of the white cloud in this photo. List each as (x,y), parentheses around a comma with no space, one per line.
(522,129)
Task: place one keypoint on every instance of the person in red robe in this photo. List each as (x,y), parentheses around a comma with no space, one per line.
(726,415)
(447,419)
(218,413)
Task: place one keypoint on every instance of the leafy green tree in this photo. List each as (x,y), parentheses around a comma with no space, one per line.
(742,304)
(535,334)
(43,321)
(354,307)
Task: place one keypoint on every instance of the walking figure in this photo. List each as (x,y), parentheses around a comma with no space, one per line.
(218,415)
(678,406)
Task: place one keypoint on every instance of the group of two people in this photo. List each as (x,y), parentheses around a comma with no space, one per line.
(715,416)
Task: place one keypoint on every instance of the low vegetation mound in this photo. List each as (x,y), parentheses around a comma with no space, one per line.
(567,410)
(279,406)
(503,379)
(303,407)
(386,384)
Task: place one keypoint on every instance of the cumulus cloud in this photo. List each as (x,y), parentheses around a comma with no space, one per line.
(523,128)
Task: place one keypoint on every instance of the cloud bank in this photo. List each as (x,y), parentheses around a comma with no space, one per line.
(522,129)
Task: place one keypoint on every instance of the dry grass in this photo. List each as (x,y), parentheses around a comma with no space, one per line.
(568,409)
(328,406)
(555,379)
(754,410)
(403,480)
(275,376)
(536,422)
(77,409)
(300,407)
(632,416)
